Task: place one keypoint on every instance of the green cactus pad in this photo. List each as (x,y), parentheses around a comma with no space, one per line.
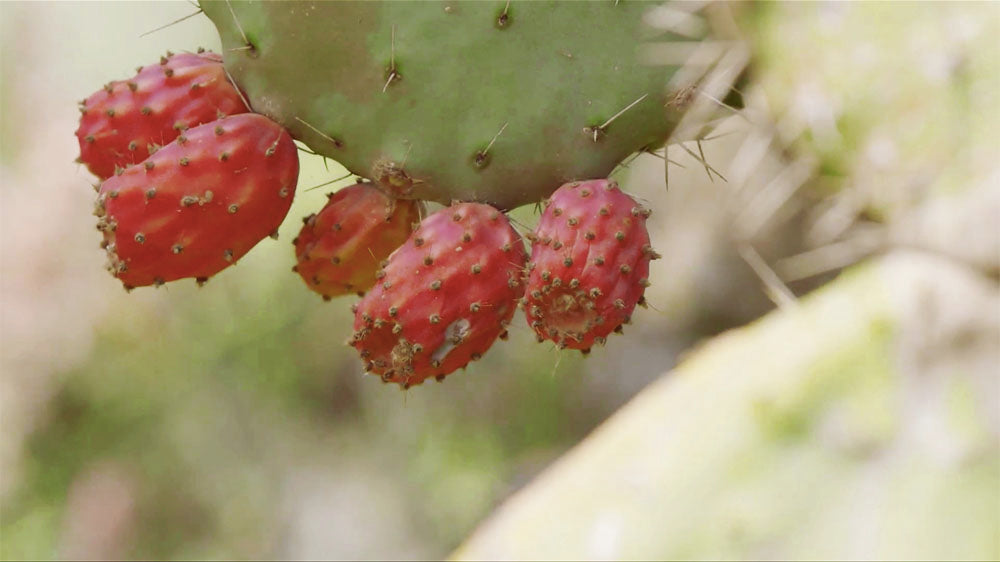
(497,102)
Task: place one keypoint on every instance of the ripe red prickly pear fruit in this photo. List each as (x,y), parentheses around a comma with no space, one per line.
(340,248)
(127,120)
(199,203)
(589,264)
(444,297)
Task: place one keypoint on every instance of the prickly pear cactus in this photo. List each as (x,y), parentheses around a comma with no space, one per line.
(484,106)
(496,102)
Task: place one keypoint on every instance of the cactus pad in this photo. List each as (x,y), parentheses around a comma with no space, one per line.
(497,102)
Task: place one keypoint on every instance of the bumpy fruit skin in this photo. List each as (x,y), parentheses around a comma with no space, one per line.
(444,297)
(199,203)
(340,248)
(589,264)
(127,120)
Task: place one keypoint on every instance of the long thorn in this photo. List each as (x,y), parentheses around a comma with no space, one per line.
(719,136)
(344,177)
(518,223)
(502,18)
(317,131)
(708,167)
(725,105)
(409,147)
(392,60)
(619,114)
(495,137)
(664,158)
(830,257)
(666,169)
(559,356)
(237,88)
(701,152)
(238,26)
(176,21)
(776,290)
(624,163)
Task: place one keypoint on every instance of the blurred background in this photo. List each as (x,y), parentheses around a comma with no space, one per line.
(231,421)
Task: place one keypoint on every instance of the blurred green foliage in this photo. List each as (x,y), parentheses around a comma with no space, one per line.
(207,394)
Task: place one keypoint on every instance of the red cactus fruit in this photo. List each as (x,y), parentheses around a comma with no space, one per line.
(340,248)
(127,120)
(589,264)
(443,298)
(199,203)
